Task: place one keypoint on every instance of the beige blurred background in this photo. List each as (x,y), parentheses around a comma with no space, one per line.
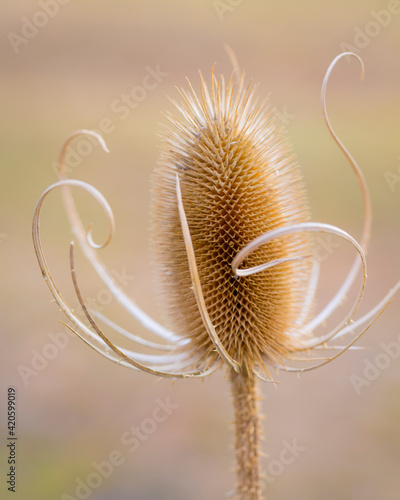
(74,408)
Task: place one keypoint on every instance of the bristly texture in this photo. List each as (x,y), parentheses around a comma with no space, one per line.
(239,179)
(247,436)
(226,192)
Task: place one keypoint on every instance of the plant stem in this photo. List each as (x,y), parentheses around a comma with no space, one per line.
(247,424)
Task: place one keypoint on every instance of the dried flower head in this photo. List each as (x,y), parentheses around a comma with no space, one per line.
(238,179)
(232,246)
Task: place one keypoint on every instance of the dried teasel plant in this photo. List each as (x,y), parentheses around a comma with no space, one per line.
(226,193)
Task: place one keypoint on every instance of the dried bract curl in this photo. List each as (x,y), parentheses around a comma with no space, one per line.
(233,251)
(232,246)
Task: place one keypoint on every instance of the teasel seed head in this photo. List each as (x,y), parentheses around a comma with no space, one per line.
(239,179)
(231,241)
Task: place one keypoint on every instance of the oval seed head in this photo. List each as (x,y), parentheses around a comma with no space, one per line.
(238,179)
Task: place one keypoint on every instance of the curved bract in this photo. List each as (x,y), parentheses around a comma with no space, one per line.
(232,240)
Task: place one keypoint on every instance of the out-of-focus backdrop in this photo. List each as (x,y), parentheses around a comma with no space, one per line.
(332,433)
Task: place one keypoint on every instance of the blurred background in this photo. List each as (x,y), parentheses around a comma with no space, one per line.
(68,65)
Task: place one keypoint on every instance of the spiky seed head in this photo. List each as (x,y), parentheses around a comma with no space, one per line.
(238,179)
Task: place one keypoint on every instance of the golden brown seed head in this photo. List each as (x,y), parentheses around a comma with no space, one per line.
(239,180)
